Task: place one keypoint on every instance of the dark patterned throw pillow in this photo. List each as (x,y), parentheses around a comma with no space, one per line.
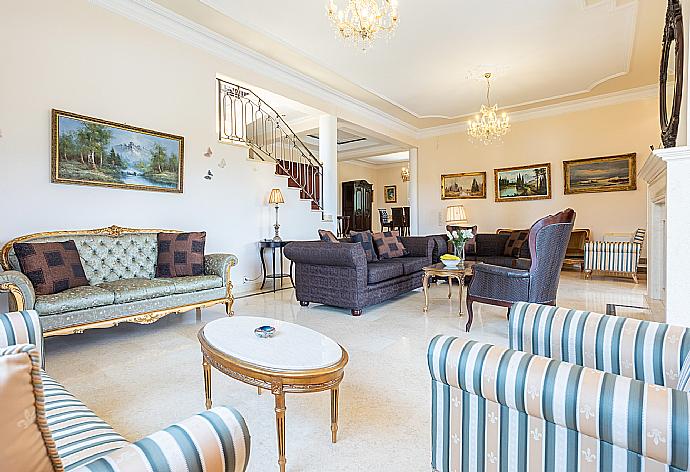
(180,254)
(51,267)
(367,242)
(327,236)
(389,245)
(515,242)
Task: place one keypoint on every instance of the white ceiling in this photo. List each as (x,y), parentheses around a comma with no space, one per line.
(539,49)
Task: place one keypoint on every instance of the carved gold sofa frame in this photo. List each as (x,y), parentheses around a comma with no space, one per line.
(22,296)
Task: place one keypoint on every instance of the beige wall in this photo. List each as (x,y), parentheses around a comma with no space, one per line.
(76,56)
(617,129)
(379,177)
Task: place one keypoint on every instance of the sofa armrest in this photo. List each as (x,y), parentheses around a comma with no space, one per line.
(500,271)
(619,256)
(419,246)
(326,254)
(216,440)
(219,264)
(641,350)
(20,289)
(21,327)
(567,395)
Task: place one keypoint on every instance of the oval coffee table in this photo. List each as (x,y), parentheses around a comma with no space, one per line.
(295,360)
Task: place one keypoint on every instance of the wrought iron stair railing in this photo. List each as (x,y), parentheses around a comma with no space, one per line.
(245,118)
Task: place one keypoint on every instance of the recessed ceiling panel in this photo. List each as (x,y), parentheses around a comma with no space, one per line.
(539,49)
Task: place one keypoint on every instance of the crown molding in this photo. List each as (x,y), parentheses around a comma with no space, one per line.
(597,101)
(161,19)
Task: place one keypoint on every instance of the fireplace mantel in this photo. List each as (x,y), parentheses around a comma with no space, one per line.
(667,173)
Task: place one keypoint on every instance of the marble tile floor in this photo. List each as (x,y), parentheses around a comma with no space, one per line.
(140,378)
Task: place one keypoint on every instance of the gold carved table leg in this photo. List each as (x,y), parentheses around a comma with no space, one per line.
(280,427)
(450,286)
(460,283)
(425,286)
(207,383)
(334,414)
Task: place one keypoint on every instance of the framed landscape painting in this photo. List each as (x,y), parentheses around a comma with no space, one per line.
(390,194)
(467,185)
(523,183)
(90,151)
(600,174)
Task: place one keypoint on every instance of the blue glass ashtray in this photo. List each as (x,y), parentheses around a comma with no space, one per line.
(265,331)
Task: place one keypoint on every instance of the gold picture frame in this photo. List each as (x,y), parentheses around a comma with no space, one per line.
(464,185)
(95,152)
(616,173)
(390,194)
(531,182)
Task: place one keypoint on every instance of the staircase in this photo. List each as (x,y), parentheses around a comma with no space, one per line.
(245,118)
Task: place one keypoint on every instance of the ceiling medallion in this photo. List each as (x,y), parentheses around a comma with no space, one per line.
(488,127)
(362,21)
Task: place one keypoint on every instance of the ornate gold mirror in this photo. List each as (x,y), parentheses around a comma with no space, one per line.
(671,74)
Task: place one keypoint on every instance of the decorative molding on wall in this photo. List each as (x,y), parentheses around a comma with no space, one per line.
(614,98)
(161,19)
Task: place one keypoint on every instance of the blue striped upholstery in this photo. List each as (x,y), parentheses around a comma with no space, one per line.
(641,350)
(213,441)
(498,409)
(21,327)
(614,257)
(80,435)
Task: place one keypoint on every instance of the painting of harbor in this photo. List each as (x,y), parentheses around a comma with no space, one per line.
(467,185)
(523,183)
(600,174)
(90,151)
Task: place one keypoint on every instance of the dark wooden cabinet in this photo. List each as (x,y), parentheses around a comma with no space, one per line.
(357,196)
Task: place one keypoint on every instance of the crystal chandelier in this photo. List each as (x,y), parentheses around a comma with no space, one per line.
(363,20)
(405,174)
(488,127)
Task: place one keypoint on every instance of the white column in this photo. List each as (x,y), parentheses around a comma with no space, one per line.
(412,193)
(328,154)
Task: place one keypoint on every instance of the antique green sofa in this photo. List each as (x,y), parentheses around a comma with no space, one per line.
(120,265)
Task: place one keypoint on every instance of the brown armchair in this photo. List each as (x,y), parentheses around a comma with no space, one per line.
(503,286)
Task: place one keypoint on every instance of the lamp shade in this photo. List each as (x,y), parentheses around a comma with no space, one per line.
(455,215)
(276,196)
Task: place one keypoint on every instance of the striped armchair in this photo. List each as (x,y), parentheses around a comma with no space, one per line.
(216,440)
(614,258)
(577,391)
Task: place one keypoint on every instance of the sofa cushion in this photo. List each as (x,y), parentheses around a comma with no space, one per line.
(515,242)
(384,270)
(80,435)
(389,245)
(327,236)
(196,283)
(181,254)
(365,239)
(78,298)
(131,290)
(51,267)
(27,444)
(412,264)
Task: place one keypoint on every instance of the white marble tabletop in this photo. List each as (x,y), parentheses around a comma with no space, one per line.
(292,347)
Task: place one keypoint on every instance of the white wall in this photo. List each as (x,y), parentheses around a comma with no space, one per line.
(75,56)
(616,129)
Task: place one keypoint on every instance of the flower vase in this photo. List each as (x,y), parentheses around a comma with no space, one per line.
(460,250)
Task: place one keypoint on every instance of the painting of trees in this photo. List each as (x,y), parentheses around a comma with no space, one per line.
(90,151)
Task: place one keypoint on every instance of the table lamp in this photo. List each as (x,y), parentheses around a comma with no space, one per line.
(455,215)
(276,198)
